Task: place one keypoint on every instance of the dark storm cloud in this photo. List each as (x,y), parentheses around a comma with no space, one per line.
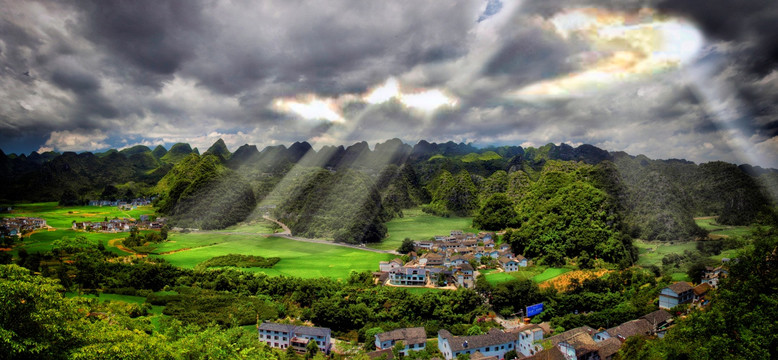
(750,23)
(327,48)
(154,36)
(531,54)
(195,71)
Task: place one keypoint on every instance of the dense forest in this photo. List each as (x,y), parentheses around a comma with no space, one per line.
(347,193)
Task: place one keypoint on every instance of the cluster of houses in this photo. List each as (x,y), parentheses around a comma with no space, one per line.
(531,341)
(122,204)
(16,226)
(448,259)
(683,292)
(119,225)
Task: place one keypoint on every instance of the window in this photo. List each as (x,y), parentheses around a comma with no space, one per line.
(487,348)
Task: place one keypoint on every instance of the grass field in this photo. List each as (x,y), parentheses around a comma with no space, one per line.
(537,274)
(43,240)
(258,227)
(418,225)
(300,259)
(679,276)
(422,290)
(62,217)
(715,229)
(652,253)
(549,274)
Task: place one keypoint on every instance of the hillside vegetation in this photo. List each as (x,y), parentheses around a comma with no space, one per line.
(349,192)
(200,192)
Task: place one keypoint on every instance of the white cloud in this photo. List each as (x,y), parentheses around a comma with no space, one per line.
(75,140)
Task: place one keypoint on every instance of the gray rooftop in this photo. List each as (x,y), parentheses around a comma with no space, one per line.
(297,330)
(493,337)
(409,336)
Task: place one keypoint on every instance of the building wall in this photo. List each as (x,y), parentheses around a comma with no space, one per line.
(527,345)
(277,339)
(495,350)
(667,302)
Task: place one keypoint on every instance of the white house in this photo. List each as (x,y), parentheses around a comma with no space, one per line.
(283,336)
(509,265)
(675,294)
(494,343)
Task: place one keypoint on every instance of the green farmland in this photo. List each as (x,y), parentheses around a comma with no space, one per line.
(717,230)
(418,225)
(61,217)
(300,259)
(537,274)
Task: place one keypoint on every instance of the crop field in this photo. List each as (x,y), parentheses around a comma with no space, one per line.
(718,230)
(418,225)
(300,259)
(61,217)
(42,240)
(653,252)
(564,277)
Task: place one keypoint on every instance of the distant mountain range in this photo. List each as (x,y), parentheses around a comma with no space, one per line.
(658,198)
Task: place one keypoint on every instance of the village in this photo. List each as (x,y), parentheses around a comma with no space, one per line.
(525,339)
(449,261)
(528,341)
(144,222)
(17,226)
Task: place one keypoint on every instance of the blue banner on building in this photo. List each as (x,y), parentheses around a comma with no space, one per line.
(533,310)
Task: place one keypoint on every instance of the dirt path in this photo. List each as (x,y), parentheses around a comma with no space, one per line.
(287,231)
(705,217)
(121,247)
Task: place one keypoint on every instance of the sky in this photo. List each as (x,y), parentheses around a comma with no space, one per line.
(665,78)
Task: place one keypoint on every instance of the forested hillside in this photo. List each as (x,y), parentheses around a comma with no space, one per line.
(200,192)
(642,198)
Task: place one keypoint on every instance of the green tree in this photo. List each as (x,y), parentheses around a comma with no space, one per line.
(370,337)
(497,213)
(463,356)
(406,246)
(290,354)
(311,349)
(474,330)
(397,349)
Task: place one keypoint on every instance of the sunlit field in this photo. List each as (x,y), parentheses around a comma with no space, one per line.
(718,230)
(61,217)
(300,259)
(537,274)
(418,225)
